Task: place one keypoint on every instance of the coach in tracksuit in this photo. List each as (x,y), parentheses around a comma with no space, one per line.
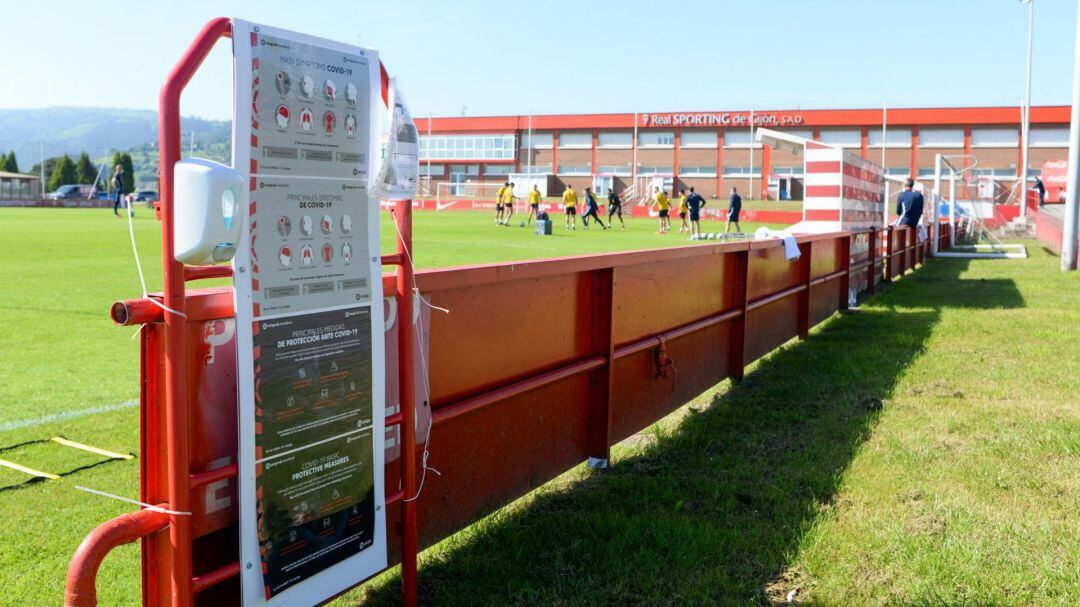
(909,205)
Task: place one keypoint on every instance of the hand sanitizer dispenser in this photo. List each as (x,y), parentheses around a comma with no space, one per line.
(209,200)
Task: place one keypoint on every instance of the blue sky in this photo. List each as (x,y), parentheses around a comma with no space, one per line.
(565,56)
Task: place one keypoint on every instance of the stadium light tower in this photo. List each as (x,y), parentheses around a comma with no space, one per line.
(1025,128)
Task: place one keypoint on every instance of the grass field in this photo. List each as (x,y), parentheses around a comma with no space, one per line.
(933,459)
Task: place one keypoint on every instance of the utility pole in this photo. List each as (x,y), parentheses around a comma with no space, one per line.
(1026,126)
(1072,212)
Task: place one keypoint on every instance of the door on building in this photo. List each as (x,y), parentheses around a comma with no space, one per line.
(602,184)
(457,179)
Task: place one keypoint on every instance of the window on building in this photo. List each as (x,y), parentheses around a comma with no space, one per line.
(610,140)
(479,147)
(898,171)
(894,138)
(738,138)
(697,171)
(472,169)
(804,133)
(539,140)
(741,171)
(498,169)
(434,170)
(621,170)
(575,169)
(647,169)
(928,172)
(697,139)
(794,170)
(1004,137)
(845,138)
(656,139)
(1048,137)
(575,140)
(941,138)
(536,169)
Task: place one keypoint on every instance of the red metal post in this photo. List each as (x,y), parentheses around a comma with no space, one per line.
(845,265)
(871,268)
(889,253)
(737,352)
(599,428)
(176,410)
(406,342)
(805,249)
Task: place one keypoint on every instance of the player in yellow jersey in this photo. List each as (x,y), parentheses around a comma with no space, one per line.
(499,203)
(508,203)
(663,208)
(534,203)
(685,227)
(569,200)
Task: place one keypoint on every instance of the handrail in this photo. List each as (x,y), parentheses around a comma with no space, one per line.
(176,404)
(81,587)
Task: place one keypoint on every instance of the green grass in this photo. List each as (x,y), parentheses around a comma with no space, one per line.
(923,451)
(60,269)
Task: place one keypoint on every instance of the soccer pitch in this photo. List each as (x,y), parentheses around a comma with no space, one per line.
(68,371)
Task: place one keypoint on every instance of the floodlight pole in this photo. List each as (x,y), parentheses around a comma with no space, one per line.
(934,227)
(750,192)
(952,206)
(1072,216)
(1026,116)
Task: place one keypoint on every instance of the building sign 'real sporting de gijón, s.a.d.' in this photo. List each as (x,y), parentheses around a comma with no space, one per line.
(309,304)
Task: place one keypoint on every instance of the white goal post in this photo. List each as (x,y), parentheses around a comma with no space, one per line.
(963,212)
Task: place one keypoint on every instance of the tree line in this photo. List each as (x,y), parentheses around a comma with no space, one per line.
(62,170)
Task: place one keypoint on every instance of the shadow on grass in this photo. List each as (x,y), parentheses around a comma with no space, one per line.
(713,511)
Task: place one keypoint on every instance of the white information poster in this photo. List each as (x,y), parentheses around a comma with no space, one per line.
(309,317)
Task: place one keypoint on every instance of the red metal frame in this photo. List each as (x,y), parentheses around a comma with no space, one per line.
(181,481)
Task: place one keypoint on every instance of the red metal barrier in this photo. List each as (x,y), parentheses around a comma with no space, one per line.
(539,366)
(522,374)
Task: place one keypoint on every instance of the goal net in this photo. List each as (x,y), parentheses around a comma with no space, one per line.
(475,195)
(948,211)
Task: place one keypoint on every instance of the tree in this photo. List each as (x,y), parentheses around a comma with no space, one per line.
(123,160)
(85,171)
(50,166)
(9,163)
(63,173)
(129,173)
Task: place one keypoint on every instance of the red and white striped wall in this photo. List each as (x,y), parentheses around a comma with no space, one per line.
(842,190)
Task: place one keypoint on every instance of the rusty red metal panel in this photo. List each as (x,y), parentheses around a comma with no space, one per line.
(500,452)
(652,297)
(503,330)
(770,272)
(640,396)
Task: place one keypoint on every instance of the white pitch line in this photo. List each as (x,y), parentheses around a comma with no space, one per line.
(56,417)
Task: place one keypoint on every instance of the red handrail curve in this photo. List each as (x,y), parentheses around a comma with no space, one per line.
(81,589)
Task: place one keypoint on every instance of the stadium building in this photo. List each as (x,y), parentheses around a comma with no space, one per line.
(712,151)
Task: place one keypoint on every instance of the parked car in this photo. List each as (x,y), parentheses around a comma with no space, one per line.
(70,191)
(145,196)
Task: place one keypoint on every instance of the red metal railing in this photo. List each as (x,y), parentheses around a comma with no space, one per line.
(522,374)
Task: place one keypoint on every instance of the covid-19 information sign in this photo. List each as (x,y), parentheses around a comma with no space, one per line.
(309,313)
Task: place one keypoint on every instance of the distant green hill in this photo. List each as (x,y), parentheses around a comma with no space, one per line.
(100,132)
